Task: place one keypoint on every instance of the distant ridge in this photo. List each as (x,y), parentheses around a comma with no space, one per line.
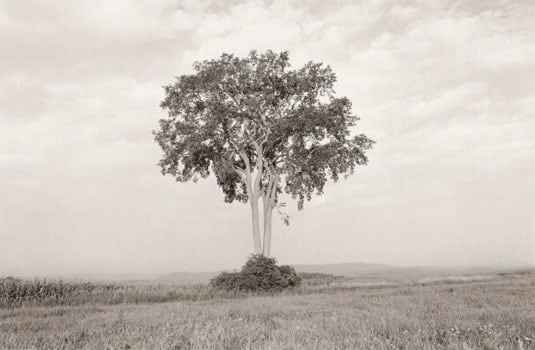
(345,269)
(188,277)
(353,270)
(389,272)
(361,270)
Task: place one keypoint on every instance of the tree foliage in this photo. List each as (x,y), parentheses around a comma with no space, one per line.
(219,117)
(262,129)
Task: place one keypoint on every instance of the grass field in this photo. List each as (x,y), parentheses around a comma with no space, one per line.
(485,312)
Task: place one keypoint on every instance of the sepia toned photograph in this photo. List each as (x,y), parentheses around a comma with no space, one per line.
(267,174)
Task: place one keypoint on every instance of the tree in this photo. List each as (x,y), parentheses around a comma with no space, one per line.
(262,129)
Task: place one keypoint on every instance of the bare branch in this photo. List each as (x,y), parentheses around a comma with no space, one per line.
(239,170)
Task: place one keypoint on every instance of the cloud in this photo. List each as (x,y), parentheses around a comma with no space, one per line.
(445,88)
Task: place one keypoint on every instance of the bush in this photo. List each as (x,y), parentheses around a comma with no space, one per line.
(262,274)
(227,281)
(259,273)
(290,275)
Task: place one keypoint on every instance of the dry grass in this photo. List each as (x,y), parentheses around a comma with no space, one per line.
(494,313)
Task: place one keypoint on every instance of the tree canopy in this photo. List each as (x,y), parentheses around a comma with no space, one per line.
(261,128)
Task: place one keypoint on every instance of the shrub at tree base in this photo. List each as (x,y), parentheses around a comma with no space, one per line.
(227,281)
(259,273)
(290,275)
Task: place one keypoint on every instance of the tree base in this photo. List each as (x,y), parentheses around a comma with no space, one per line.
(258,274)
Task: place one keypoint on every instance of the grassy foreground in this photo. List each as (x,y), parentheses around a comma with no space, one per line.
(479,313)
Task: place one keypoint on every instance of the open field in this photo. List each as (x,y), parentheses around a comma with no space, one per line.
(477,312)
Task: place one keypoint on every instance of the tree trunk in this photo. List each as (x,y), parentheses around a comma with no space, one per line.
(256,225)
(269,198)
(252,193)
(268,212)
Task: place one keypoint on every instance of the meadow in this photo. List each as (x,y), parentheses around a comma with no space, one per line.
(326,312)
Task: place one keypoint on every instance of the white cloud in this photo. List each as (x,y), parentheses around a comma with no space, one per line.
(445,88)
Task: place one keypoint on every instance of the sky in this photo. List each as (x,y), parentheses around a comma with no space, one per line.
(445,88)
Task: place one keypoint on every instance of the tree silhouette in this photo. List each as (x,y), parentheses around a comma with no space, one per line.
(262,129)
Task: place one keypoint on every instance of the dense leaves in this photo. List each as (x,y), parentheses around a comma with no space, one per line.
(259,273)
(221,117)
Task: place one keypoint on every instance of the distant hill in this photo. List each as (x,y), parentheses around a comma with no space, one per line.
(347,269)
(388,272)
(418,272)
(351,270)
(187,277)
(359,270)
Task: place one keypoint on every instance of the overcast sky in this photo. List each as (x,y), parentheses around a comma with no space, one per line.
(445,88)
